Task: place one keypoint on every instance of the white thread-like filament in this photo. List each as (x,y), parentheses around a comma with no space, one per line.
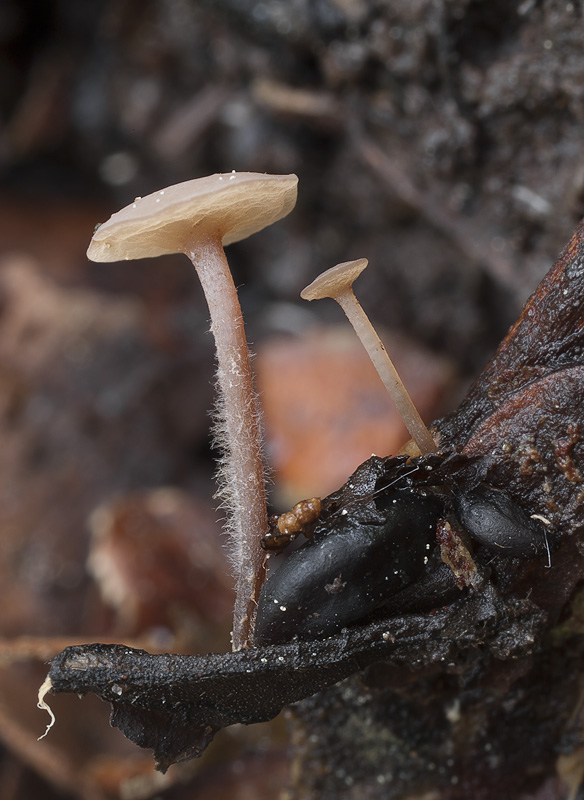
(43,692)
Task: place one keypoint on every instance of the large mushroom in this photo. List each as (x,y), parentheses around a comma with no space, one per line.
(198,218)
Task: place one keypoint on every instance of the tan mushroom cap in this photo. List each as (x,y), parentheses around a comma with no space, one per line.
(334,280)
(231,206)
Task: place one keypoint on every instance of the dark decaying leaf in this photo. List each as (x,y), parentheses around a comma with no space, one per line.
(546,340)
(175,704)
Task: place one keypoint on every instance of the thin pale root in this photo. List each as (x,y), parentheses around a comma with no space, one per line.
(43,692)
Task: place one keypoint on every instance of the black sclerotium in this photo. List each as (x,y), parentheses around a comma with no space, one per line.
(374,550)
(355,562)
(497,522)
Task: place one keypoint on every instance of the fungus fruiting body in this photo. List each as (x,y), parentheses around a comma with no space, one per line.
(198,218)
(337,283)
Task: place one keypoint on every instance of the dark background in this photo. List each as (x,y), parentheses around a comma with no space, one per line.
(440,139)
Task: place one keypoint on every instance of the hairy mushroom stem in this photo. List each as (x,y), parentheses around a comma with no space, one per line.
(198,218)
(237,431)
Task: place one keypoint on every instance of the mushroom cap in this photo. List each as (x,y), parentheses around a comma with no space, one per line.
(335,280)
(230,206)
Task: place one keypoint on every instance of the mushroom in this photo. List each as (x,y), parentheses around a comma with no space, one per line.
(337,283)
(198,218)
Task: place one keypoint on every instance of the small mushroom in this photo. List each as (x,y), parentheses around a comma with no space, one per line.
(337,283)
(198,218)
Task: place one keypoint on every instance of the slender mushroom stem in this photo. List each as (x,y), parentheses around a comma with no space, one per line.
(242,485)
(336,283)
(387,371)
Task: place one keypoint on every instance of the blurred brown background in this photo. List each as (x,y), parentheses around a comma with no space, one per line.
(441,139)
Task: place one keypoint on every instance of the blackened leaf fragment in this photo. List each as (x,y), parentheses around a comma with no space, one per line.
(175,704)
(547,338)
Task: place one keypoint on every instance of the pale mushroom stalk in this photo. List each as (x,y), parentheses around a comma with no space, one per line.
(242,486)
(198,218)
(387,371)
(336,283)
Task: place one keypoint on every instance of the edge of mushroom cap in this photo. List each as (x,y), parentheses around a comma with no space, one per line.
(232,206)
(335,280)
